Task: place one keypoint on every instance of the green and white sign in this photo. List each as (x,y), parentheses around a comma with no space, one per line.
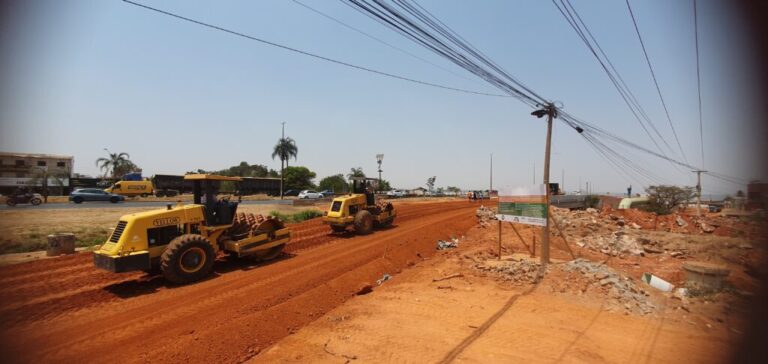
(524,205)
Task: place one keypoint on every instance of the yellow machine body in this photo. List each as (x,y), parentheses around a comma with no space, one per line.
(349,210)
(140,240)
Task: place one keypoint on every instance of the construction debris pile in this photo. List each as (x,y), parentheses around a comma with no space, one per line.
(485,215)
(623,294)
(715,224)
(622,233)
(518,272)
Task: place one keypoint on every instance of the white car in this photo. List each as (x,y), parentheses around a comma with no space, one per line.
(310,194)
(396,193)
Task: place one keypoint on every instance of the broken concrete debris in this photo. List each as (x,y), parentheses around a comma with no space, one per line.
(622,292)
(485,215)
(443,245)
(383,279)
(657,282)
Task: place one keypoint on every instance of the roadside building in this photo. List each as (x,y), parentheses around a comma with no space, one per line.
(32,170)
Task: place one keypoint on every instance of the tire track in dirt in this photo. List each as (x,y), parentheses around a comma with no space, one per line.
(91,318)
(24,302)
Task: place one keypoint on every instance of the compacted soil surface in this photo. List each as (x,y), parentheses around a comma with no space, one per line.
(65,310)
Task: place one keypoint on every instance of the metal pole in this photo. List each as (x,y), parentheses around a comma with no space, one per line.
(499,239)
(698,192)
(545,230)
(491,188)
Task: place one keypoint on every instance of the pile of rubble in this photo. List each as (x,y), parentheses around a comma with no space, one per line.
(484,216)
(635,219)
(623,294)
(520,272)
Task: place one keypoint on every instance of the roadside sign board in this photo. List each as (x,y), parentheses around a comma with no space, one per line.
(524,205)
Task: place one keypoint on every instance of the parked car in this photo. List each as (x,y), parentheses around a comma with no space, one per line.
(396,193)
(327,193)
(291,193)
(94,194)
(310,194)
(715,208)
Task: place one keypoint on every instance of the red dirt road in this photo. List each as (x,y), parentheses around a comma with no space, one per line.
(64,310)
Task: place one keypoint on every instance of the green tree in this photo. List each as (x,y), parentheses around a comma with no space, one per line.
(246,170)
(453,189)
(431,182)
(384,185)
(285,149)
(43,177)
(335,183)
(298,178)
(116,165)
(355,172)
(663,199)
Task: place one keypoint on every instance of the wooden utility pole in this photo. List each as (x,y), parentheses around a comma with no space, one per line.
(545,230)
(550,111)
(698,191)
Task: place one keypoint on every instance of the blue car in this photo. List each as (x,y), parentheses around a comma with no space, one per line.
(94,194)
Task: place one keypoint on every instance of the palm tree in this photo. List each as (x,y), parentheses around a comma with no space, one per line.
(285,149)
(43,177)
(115,164)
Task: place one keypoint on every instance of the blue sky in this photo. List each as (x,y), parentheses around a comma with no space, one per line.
(81,76)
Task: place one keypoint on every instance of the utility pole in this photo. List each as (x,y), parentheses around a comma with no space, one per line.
(550,111)
(698,191)
(282,163)
(491,188)
(379,158)
(534,172)
(562,180)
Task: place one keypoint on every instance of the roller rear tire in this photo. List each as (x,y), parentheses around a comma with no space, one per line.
(363,222)
(188,258)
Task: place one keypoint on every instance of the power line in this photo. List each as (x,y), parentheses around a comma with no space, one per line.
(655,82)
(698,78)
(308,53)
(376,38)
(582,30)
(461,53)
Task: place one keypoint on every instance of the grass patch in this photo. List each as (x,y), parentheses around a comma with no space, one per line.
(298,216)
(37,240)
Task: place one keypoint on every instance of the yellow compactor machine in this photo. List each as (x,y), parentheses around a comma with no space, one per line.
(359,209)
(182,241)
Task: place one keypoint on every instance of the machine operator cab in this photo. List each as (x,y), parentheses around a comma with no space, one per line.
(365,186)
(217,211)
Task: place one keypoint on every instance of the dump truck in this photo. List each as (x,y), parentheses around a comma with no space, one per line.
(359,209)
(183,241)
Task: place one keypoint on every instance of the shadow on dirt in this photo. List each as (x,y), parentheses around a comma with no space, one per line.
(347,234)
